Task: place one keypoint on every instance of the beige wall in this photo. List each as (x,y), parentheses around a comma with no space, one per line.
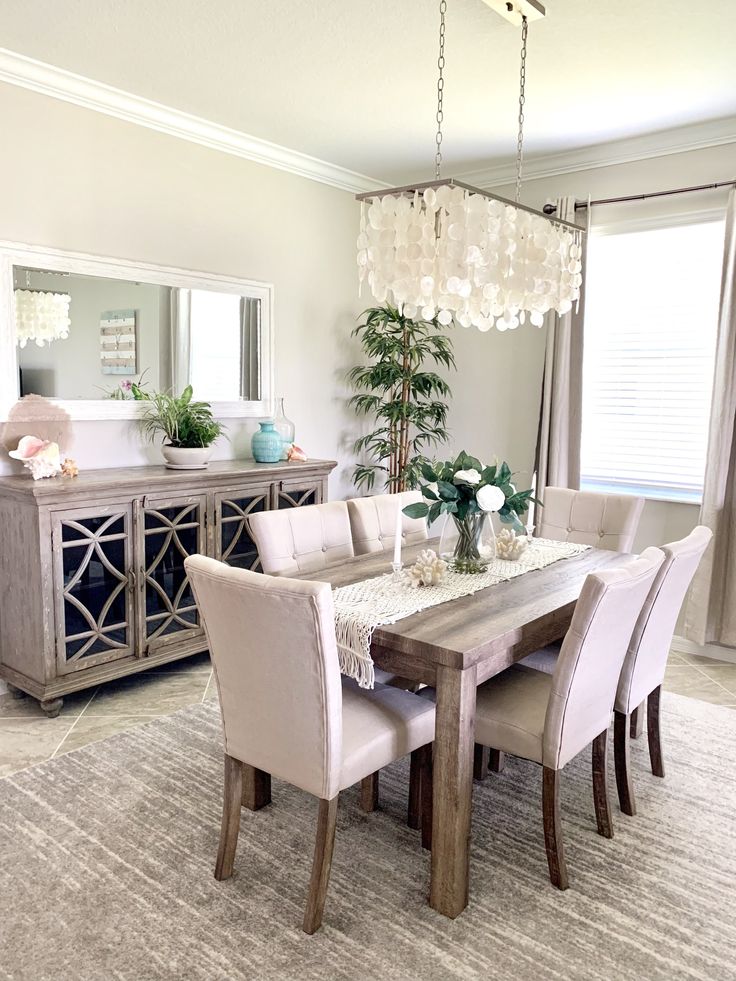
(78,180)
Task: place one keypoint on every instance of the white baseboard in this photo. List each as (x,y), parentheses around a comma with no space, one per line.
(704,650)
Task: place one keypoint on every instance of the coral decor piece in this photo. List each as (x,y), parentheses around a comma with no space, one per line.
(40,456)
(69,468)
(510,546)
(428,570)
(295,454)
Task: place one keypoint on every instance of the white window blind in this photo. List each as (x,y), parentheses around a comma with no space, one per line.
(650,327)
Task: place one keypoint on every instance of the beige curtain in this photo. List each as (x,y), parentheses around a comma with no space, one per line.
(560,420)
(711,609)
(180,333)
(250,348)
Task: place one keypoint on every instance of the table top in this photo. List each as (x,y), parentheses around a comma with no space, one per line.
(517,616)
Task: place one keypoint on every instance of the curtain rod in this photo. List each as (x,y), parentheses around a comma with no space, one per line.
(549,209)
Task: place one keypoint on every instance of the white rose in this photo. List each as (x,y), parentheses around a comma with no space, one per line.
(490,498)
(467,476)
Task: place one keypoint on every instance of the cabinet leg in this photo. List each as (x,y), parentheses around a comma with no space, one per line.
(52,707)
(16,692)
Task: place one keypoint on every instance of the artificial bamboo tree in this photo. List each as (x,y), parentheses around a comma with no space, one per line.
(406,400)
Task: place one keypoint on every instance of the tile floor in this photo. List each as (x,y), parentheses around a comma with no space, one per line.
(28,737)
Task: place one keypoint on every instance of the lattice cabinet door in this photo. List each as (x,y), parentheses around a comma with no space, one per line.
(169,530)
(297,493)
(94,584)
(233,543)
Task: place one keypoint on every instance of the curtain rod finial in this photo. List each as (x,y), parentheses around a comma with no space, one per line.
(549,208)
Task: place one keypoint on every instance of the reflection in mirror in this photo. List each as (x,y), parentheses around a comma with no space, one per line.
(89,337)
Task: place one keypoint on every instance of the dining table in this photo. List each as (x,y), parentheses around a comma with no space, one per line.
(454,647)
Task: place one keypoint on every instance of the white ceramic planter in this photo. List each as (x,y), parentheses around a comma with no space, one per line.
(186,458)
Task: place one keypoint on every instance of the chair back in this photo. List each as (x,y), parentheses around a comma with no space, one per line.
(373,522)
(296,540)
(588,668)
(273,649)
(646,658)
(604,520)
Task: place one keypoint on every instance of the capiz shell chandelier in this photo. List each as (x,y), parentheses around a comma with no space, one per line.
(41,317)
(447,250)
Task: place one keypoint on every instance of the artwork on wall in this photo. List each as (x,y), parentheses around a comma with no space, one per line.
(118,342)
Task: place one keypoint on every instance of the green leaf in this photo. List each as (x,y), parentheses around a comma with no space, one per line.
(447,490)
(417,510)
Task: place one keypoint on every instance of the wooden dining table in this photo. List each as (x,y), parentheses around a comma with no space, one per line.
(455,647)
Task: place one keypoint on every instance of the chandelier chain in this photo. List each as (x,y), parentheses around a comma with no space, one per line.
(522,100)
(440,91)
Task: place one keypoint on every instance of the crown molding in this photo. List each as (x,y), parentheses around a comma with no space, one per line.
(45,79)
(698,136)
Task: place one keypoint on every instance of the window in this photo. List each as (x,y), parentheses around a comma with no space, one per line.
(648,362)
(216,345)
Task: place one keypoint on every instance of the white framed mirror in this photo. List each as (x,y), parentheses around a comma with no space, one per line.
(84,331)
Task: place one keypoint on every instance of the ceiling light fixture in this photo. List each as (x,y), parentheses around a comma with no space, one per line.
(446,249)
(41,317)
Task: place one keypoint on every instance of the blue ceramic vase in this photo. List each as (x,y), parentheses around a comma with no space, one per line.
(266,443)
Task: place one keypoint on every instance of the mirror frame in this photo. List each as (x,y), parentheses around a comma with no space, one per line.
(55,260)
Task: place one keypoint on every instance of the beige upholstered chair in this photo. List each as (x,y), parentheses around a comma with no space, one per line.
(604,520)
(306,539)
(373,522)
(646,659)
(607,521)
(550,718)
(284,710)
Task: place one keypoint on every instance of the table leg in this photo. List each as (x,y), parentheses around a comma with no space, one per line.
(453,789)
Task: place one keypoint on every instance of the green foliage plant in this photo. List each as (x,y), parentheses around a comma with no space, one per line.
(406,400)
(178,419)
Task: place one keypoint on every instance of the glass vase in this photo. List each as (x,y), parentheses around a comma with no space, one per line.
(469,543)
(284,427)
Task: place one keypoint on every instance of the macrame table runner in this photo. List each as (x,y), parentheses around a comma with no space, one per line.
(364,606)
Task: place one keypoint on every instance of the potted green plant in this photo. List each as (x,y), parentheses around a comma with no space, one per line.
(406,400)
(187,428)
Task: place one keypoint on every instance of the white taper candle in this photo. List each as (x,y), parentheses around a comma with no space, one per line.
(397,539)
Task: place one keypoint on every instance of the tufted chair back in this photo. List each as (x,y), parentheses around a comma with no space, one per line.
(373,522)
(305,539)
(604,520)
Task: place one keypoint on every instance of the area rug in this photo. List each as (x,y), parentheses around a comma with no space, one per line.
(106,858)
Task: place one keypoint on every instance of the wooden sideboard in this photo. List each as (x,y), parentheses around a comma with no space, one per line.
(92,581)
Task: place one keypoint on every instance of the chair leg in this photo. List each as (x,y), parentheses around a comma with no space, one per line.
(497,761)
(480,762)
(553,828)
(653,732)
(323,846)
(230,826)
(600,788)
(637,722)
(414,816)
(622,759)
(427,790)
(256,788)
(369,793)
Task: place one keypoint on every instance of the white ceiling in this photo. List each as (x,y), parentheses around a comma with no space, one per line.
(353,81)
